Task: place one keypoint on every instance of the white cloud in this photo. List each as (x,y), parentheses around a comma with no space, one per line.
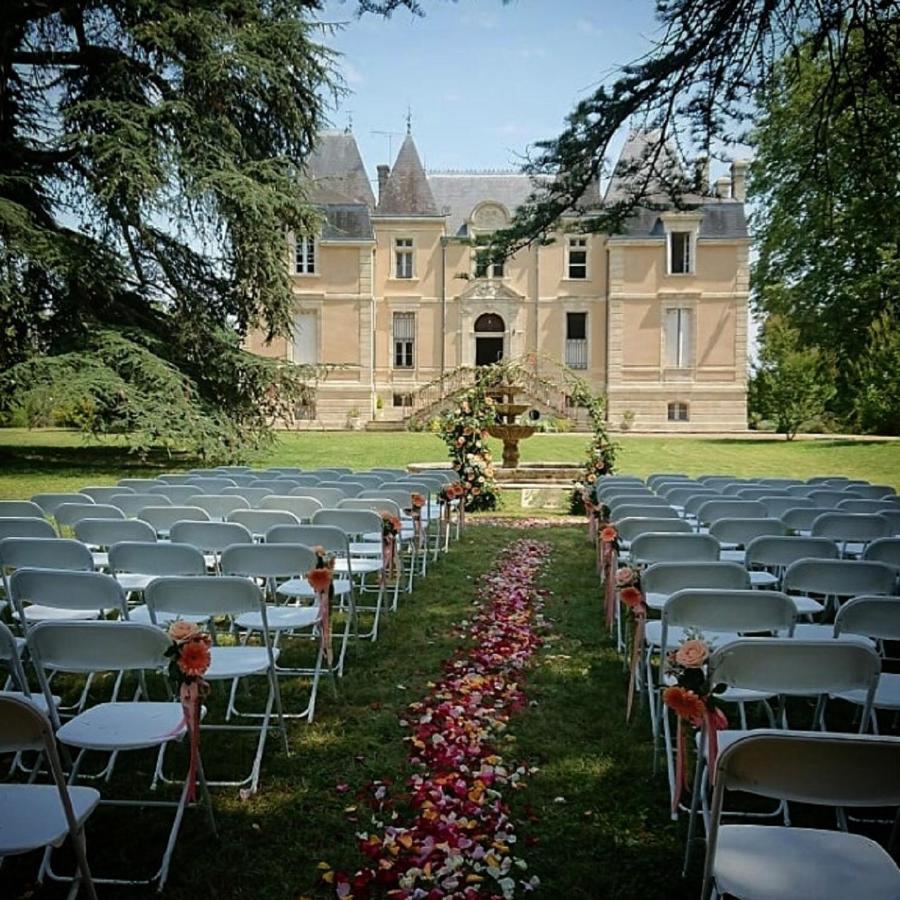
(588,26)
(352,75)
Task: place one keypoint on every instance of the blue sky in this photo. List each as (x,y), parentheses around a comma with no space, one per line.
(483,80)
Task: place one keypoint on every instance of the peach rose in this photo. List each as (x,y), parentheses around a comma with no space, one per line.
(181,631)
(625,576)
(692,654)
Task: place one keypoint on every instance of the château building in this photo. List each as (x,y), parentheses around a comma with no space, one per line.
(391,291)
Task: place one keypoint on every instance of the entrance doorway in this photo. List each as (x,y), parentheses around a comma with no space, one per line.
(489,330)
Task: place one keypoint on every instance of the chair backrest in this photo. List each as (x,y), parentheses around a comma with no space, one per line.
(329,537)
(102,493)
(348,488)
(45,553)
(26,527)
(741,611)
(213,485)
(629,529)
(302,507)
(777,505)
(132,504)
(763,492)
(162,518)
(713,510)
(801,490)
(368,481)
(892,517)
(259,521)
(208,595)
(839,577)
(10,656)
(611,492)
(400,496)
(147,558)
(782,551)
(742,531)
(48,503)
(373,504)
(864,506)
(66,590)
(652,548)
(872,491)
(620,500)
(350,521)
(846,526)
(801,519)
(679,496)
(657,477)
(242,480)
(175,478)
(330,474)
(20,509)
(210,537)
(283,484)
(643,510)
(872,616)
(781,482)
(230,471)
(829,499)
(885,550)
(306,480)
(716,479)
(85,647)
(67,514)
(217,506)
(326,496)
(692,504)
(106,532)
(795,667)
(733,488)
(825,479)
(668,577)
(272,485)
(267,560)
(139,485)
(252,495)
(177,493)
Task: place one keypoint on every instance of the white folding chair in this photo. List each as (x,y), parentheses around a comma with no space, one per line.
(259,521)
(852,532)
(162,518)
(213,596)
(210,538)
(26,526)
(768,556)
(733,536)
(630,528)
(116,726)
(49,502)
(20,509)
(37,816)
(179,494)
(211,485)
(657,547)
(139,485)
(132,504)
(662,579)
(218,506)
(764,861)
(302,507)
(251,494)
(102,493)
(101,534)
(835,580)
(68,514)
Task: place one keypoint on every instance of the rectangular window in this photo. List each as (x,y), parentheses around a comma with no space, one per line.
(678,412)
(403,258)
(576,265)
(305,256)
(681,260)
(305,342)
(576,340)
(404,339)
(403,400)
(486,269)
(679,338)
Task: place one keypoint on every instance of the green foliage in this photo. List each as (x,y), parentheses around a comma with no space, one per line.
(827,219)
(463,428)
(600,457)
(876,401)
(792,383)
(152,162)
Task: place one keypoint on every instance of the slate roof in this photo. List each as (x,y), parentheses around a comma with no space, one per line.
(722,220)
(347,222)
(633,163)
(406,192)
(336,171)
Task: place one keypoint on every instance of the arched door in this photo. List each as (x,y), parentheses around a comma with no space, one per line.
(489,331)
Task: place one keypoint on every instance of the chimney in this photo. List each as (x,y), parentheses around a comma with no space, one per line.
(702,174)
(739,180)
(723,187)
(383,173)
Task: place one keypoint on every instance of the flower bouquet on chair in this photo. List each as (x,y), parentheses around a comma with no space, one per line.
(189,658)
(693,700)
(390,535)
(416,502)
(631,595)
(321,580)
(607,559)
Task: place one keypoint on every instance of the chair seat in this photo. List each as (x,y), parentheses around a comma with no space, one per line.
(101,559)
(280,618)
(809,631)
(772,863)
(234,662)
(33,816)
(35,699)
(142,614)
(655,601)
(124,726)
(366,548)
(806,606)
(360,566)
(653,635)
(38,613)
(728,553)
(762,579)
(299,587)
(887,694)
(134,581)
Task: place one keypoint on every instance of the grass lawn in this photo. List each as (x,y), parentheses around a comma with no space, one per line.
(56,460)
(592,821)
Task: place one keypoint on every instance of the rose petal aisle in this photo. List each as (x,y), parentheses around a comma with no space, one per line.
(457,840)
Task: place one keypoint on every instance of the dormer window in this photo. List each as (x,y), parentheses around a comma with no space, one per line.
(305,256)
(484,268)
(681,252)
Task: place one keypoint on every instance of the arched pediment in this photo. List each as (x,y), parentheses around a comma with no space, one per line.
(490,289)
(488,216)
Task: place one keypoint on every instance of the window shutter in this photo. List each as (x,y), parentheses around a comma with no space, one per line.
(672,337)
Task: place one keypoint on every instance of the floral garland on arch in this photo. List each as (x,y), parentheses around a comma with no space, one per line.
(600,455)
(464,430)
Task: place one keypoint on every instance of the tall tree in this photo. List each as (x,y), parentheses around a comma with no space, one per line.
(150,163)
(827,216)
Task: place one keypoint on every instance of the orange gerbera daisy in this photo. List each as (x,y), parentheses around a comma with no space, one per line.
(319,579)
(685,703)
(631,597)
(609,534)
(194,658)
(417,500)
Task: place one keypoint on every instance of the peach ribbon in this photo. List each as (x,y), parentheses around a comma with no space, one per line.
(325,623)
(609,558)
(640,619)
(190,706)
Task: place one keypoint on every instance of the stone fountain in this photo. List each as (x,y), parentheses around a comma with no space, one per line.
(505,427)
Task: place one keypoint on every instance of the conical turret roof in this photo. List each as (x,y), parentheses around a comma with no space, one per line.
(406,191)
